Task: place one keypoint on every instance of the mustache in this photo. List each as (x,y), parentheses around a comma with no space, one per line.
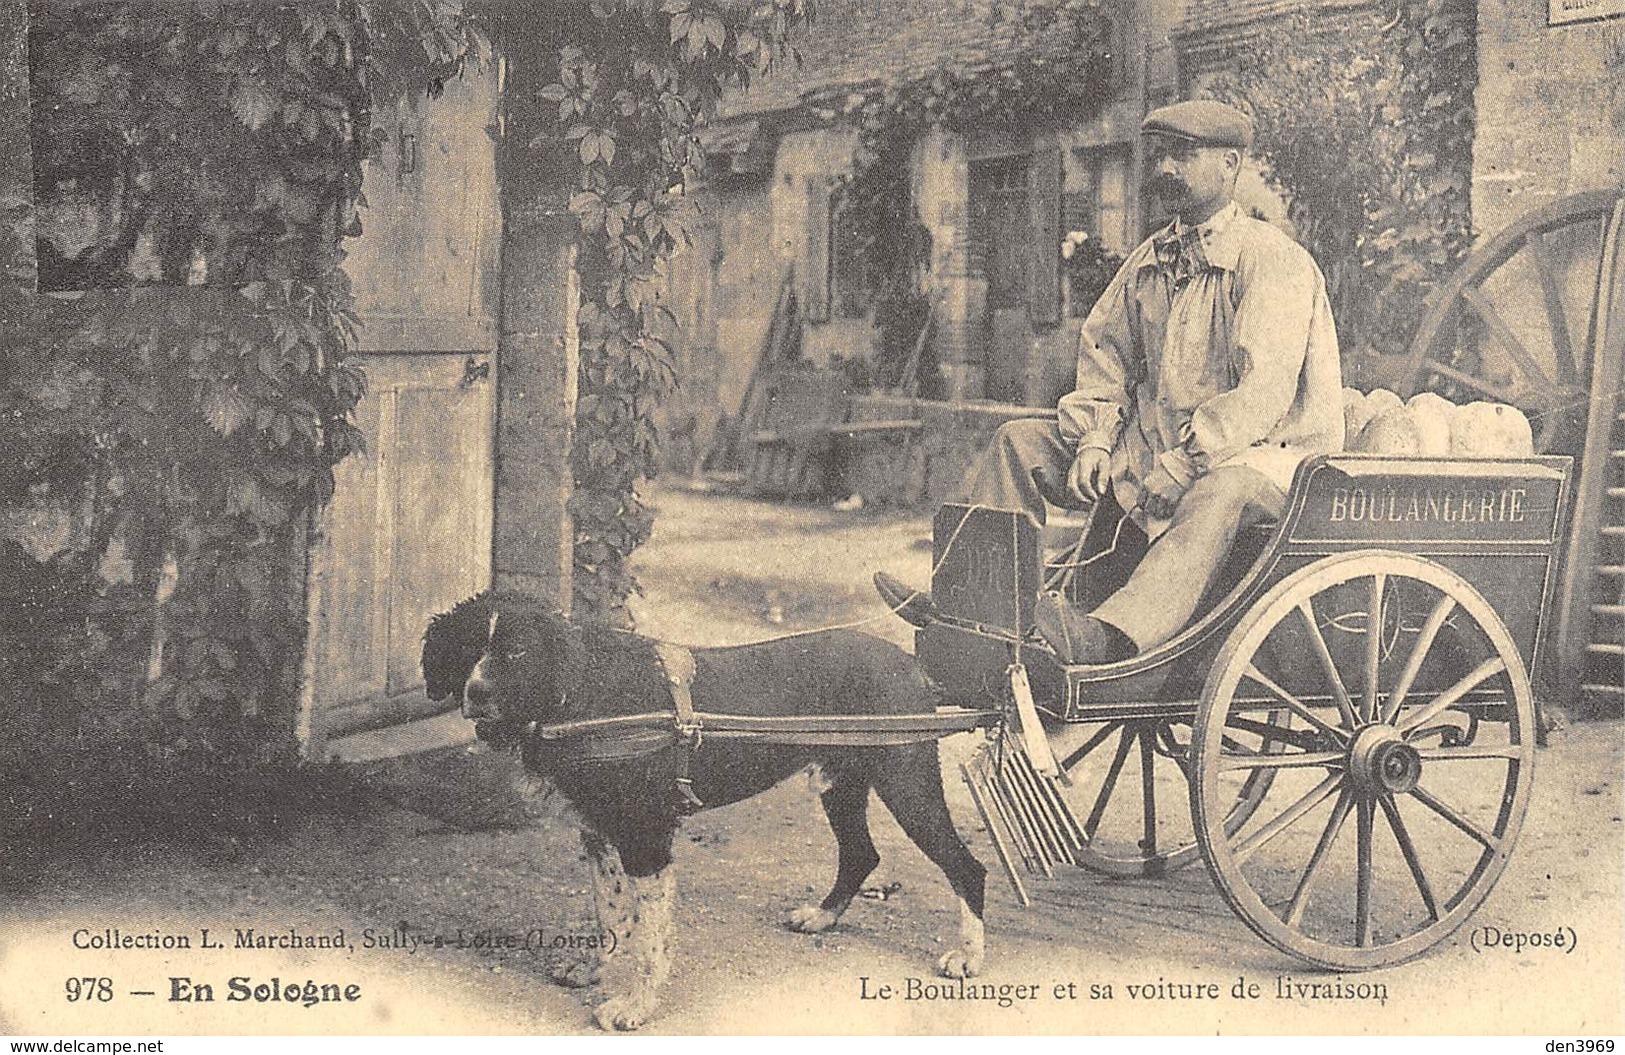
(1164,185)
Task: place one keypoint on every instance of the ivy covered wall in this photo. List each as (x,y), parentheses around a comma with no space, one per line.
(196,169)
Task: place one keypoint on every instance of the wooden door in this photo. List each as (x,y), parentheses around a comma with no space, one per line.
(408,534)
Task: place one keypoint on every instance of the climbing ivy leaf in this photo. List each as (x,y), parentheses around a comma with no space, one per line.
(254,104)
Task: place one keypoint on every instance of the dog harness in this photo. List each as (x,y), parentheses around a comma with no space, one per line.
(677,663)
(621,738)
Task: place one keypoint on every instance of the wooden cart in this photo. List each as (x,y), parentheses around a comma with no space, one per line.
(1352,721)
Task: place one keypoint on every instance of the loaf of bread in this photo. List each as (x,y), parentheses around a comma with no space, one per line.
(1490,430)
(1434,416)
(1390,432)
(1428,425)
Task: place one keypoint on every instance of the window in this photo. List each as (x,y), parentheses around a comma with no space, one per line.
(1097,195)
(1097,220)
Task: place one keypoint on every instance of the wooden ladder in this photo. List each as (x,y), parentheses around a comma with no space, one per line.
(1591,628)
(1601,664)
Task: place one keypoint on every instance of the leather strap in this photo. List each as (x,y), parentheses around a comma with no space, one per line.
(678,664)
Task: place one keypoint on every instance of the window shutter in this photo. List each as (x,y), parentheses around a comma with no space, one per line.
(815,279)
(1044,201)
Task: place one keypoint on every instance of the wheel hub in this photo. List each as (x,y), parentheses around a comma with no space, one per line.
(1381,762)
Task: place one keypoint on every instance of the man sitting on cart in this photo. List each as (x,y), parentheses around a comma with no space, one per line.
(1206,372)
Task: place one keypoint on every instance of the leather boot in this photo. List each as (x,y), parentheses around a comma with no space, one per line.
(1079,639)
(913,605)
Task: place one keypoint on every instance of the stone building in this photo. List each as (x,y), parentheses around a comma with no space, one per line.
(1550,105)
(995,204)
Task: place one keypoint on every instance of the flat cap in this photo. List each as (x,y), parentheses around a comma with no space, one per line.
(1201,121)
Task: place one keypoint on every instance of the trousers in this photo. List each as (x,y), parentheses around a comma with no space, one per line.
(1163,582)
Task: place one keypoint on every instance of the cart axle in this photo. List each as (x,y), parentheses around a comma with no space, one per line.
(1380,762)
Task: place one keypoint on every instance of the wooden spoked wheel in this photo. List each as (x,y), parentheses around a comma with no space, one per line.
(1518,322)
(1396,802)
(1130,792)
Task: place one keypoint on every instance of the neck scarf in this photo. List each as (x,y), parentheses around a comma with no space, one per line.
(1179,252)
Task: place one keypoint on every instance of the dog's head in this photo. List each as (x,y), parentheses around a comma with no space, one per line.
(503,655)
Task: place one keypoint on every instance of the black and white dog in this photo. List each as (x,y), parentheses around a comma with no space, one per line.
(514,662)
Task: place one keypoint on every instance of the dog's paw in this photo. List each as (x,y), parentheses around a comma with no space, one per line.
(959,964)
(623,1013)
(574,974)
(810,919)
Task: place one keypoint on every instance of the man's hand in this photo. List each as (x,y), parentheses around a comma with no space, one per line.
(1091,471)
(1161,493)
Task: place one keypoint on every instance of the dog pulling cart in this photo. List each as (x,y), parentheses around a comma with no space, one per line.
(1352,719)
(1345,736)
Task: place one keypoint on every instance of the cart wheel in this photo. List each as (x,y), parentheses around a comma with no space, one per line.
(1130,792)
(1415,722)
(1514,323)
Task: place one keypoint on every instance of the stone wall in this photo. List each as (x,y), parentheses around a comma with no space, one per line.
(749,235)
(808,168)
(1551,110)
(747,272)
